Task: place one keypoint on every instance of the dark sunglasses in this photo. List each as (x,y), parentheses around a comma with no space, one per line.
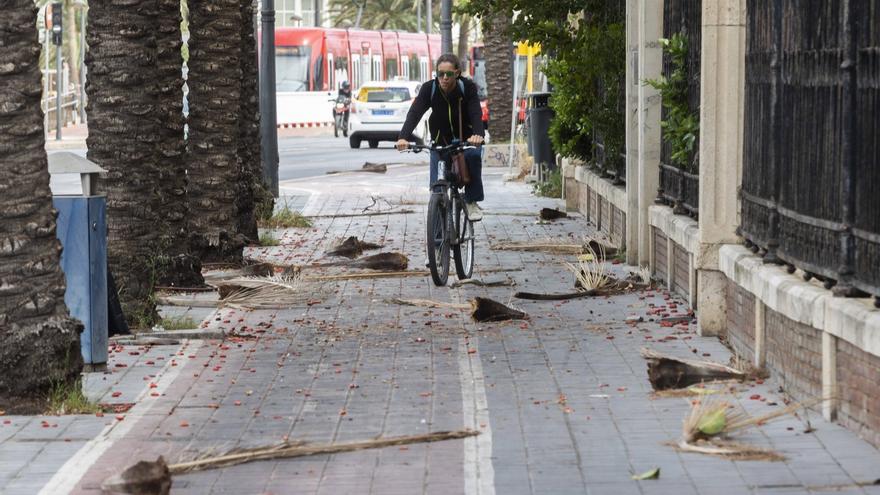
(447,73)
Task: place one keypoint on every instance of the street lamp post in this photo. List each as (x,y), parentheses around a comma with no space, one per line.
(268,127)
(446,26)
(57,15)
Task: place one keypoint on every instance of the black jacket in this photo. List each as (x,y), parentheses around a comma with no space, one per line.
(443,121)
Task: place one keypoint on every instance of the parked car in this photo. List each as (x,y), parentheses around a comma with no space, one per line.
(378,111)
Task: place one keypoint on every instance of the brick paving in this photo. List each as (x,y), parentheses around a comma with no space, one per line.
(562,399)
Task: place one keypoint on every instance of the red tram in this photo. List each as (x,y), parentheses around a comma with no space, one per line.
(311,63)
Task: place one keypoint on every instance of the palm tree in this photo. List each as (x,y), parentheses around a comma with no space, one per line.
(124,129)
(250,183)
(498,71)
(377,14)
(40,340)
(215,104)
(178,267)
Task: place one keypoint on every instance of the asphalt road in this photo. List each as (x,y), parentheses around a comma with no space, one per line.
(312,156)
(299,157)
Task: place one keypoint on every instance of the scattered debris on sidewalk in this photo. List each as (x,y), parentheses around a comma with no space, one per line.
(668,372)
(712,419)
(276,292)
(349,276)
(547,246)
(427,303)
(552,214)
(647,475)
(555,297)
(483,310)
(388,262)
(154,477)
(379,168)
(352,247)
(482,283)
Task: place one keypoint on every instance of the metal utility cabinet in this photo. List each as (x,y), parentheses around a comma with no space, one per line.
(82,230)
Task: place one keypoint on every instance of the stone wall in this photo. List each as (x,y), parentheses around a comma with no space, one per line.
(858,374)
(740,320)
(600,201)
(794,356)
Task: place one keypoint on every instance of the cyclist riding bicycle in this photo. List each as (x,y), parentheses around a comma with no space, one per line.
(455,113)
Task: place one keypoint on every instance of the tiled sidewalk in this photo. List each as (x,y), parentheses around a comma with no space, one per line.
(562,400)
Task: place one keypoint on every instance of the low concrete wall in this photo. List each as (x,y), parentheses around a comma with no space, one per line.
(600,201)
(674,244)
(815,344)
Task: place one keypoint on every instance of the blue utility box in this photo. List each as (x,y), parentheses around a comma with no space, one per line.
(82,230)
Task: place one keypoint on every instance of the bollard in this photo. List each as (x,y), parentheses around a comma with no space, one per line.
(82,230)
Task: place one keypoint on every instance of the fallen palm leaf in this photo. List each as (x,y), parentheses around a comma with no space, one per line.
(593,273)
(549,247)
(145,477)
(481,283)
(667,372)
(483,309)
(712,418)
(730,450)
(383,261)
(686,392)
(647,475)
(427,303)
(554,297)
(551,214)
(157,474)
(276,292)
(351,276)
(379,168)
(367,214)
(352,247)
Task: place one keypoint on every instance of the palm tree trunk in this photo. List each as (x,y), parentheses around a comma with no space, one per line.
(178,268)
(464,28)
(250,182)
(215,94)
(123,133)
(40,340)
(498,73)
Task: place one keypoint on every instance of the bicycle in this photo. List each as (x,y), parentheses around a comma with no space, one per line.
(448,227)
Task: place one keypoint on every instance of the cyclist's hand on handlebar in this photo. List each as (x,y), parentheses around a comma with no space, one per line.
(402,144)
(475,140)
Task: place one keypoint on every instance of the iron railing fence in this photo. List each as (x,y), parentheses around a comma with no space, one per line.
(680,188)
(811,158)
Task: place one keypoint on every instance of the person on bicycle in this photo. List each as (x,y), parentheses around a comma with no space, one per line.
(453,100)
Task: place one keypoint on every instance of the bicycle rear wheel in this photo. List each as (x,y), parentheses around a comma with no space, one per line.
(463,250)
(437,238)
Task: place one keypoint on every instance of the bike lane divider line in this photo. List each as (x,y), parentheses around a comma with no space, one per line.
(479,474)
(71,473)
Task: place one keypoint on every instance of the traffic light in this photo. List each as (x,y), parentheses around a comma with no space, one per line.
(57,15)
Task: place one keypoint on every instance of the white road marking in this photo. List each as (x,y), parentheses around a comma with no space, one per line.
(479,475)
(66,479)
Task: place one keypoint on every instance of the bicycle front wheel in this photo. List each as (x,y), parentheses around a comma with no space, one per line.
(438,239)
(463,248)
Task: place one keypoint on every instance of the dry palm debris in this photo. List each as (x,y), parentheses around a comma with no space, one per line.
(712,419)
(388,262)
(276,292)
(352,247)
(154,477)
(482,309)
(551,214)
(666,372)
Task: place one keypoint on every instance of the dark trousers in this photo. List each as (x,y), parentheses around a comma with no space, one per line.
(472,158)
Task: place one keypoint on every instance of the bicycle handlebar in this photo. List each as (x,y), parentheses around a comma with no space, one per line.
(458,146)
